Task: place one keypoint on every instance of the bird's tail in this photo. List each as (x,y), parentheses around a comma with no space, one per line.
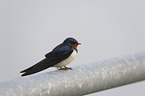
(43,64)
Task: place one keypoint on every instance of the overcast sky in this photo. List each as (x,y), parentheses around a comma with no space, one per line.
(106,28)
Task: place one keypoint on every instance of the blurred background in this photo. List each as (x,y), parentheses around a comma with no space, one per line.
(106,28)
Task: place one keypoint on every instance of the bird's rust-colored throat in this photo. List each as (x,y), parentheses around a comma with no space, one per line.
(76,44)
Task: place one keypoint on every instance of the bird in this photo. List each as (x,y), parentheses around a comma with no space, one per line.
(59,57)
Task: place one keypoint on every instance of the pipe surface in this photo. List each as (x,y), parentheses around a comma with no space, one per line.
(84,79)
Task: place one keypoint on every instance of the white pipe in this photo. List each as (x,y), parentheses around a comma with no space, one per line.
(84,79)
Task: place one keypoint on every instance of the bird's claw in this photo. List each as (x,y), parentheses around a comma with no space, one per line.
(65,68)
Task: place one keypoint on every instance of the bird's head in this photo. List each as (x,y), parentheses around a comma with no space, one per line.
(71,42)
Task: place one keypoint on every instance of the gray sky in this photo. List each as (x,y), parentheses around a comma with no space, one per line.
(106,28)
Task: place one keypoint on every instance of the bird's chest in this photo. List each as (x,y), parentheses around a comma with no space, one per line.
(68,60)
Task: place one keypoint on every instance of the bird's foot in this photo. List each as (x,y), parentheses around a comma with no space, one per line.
(65,68)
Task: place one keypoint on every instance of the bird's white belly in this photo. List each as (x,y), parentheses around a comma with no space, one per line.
(68,60)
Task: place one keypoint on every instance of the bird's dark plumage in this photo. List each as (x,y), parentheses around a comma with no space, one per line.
(58,54)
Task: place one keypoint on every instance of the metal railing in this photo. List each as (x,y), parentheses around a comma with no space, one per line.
(84,79)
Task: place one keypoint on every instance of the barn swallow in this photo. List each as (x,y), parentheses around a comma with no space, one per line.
(59,57)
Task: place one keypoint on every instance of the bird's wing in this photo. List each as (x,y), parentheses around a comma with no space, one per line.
(51,59)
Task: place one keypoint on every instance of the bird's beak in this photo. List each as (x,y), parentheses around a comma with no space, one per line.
(79,44)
